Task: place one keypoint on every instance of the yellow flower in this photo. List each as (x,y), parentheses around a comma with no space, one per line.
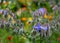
(45,16)
(30,19)
(28,23)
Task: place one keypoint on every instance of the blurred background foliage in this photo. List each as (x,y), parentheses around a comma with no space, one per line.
(27,6)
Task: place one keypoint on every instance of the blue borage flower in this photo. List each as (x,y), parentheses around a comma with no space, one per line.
(42,11)
(38,12)
(44,27)
(37,26)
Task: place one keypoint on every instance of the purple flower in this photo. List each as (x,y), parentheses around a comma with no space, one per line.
(44,27)
(37,26)
(42,10)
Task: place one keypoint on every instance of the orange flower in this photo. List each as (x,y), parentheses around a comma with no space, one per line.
(23,19)
(9,38)
(49,17)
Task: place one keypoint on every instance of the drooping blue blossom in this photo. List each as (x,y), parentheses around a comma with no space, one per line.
(37,26)
(44,27)
(41,11)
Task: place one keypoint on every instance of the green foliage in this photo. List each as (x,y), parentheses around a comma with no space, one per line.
(18,38)
(46,5)
(25,14)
